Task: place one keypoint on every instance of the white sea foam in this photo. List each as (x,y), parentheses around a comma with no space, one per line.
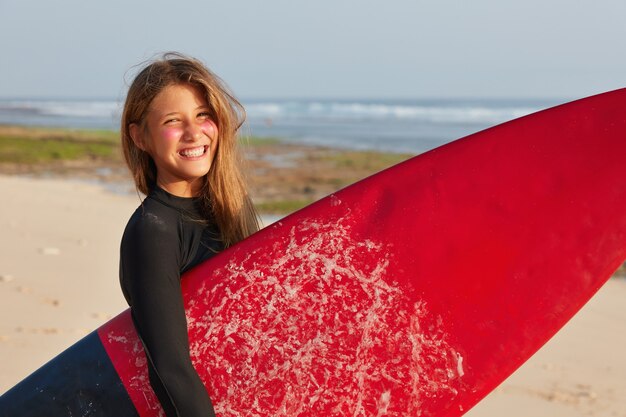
(265,110)
(431,112)
(392,125)
(65,108)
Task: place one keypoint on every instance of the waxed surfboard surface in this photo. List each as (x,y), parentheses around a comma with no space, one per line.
(414,292)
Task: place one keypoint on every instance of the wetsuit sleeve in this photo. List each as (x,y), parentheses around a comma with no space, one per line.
(150,259)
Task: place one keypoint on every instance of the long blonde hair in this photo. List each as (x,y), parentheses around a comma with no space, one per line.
(224,193)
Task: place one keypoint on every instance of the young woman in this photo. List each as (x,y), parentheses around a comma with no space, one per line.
(179,136)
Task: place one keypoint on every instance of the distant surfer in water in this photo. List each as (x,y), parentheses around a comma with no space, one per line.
(179,135)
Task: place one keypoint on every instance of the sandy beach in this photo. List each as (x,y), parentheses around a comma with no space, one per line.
(58,281)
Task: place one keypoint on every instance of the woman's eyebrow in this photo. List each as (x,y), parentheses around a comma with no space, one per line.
(176,112)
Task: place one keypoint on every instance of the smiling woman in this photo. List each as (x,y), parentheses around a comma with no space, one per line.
(179,135)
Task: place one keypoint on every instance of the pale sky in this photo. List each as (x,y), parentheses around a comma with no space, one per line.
(322,48)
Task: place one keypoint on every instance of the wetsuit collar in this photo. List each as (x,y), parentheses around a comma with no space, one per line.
(188,204)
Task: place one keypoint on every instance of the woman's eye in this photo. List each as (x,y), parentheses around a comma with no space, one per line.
(204,115)
(170,121)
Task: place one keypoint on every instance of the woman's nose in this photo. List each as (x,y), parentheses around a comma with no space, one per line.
(193,132)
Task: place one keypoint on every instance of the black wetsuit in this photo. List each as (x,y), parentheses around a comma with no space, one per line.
(160,242)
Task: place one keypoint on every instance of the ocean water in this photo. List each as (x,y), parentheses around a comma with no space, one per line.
(412,126)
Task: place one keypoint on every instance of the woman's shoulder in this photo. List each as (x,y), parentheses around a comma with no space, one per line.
(152,220)
(150,242)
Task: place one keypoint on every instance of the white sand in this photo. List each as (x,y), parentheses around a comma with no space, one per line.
(59,247)
(58,256)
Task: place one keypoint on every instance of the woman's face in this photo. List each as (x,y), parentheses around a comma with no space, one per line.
(180,137)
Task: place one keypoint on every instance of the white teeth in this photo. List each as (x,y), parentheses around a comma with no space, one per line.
(192,153)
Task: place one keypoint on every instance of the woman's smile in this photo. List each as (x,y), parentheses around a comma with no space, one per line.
(194,153)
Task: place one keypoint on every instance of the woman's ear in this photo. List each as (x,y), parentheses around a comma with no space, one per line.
(137,135)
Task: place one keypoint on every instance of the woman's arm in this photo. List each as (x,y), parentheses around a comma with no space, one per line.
(150,259)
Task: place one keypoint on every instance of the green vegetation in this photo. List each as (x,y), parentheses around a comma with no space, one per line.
(18,150)
(258,141)
(365,160)
(281,206)
(60,133)
(29,145)
(284,176)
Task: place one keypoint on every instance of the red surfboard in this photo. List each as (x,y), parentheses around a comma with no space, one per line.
(414,292)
